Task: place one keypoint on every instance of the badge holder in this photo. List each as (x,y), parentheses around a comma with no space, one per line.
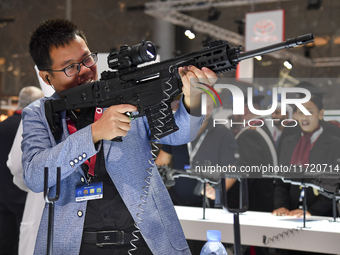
(51,201)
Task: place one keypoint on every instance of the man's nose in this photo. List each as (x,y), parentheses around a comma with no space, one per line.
(83,69)
(304,117)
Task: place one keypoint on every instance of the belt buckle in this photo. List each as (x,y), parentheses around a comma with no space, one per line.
(113,237)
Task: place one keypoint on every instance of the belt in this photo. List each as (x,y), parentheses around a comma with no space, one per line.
(112,237)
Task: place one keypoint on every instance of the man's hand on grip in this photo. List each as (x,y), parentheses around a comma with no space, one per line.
(113,123)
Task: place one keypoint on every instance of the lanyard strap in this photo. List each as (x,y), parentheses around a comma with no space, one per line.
(72,129)
(192,152)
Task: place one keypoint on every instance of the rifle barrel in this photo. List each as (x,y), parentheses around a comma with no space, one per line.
(290,43)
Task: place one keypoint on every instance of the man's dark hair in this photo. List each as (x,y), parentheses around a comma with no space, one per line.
(317,101)
(53,32)
(314,90)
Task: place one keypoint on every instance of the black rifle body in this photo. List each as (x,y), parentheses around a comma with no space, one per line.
(152,88)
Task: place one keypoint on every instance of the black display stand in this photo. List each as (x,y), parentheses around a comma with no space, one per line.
(328,184)
(204,198)
(51,201)
(243,207)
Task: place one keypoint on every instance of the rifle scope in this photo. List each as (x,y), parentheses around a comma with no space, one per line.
(127,56)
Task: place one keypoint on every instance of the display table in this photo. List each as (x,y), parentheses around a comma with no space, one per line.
(320,234)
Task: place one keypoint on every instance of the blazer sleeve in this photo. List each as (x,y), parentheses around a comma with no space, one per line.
(40,149)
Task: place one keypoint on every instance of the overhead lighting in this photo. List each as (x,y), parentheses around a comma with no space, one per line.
(259,58)
(189,34)
(288,65)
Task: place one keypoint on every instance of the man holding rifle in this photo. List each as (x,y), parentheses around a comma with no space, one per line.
(134,213)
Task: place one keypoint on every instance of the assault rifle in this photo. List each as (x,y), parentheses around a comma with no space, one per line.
(151,88)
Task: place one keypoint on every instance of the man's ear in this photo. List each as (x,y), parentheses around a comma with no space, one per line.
(44,76)
(321,114)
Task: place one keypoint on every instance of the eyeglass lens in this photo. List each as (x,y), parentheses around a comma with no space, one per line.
(75,68)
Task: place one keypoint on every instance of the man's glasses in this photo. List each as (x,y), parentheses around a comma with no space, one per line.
(73,69)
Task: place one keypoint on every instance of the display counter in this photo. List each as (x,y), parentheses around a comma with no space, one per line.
(320,235)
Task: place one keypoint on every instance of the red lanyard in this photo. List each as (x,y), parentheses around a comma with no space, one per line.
(72,129)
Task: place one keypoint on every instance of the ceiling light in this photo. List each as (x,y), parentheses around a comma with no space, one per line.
(189,34)
(259,58)
(288,65)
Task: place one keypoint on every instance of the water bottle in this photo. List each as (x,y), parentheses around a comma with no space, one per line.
(214,245)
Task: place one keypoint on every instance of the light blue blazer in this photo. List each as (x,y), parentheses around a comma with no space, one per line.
(126,163)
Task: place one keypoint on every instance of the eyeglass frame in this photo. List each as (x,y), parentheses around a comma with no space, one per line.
(78,66)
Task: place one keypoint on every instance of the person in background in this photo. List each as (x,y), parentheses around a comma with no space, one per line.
(212,146)
(256,148)
(115,223)
(314,145)
(34,204)
(275,127)
(12,199)
(329,127)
